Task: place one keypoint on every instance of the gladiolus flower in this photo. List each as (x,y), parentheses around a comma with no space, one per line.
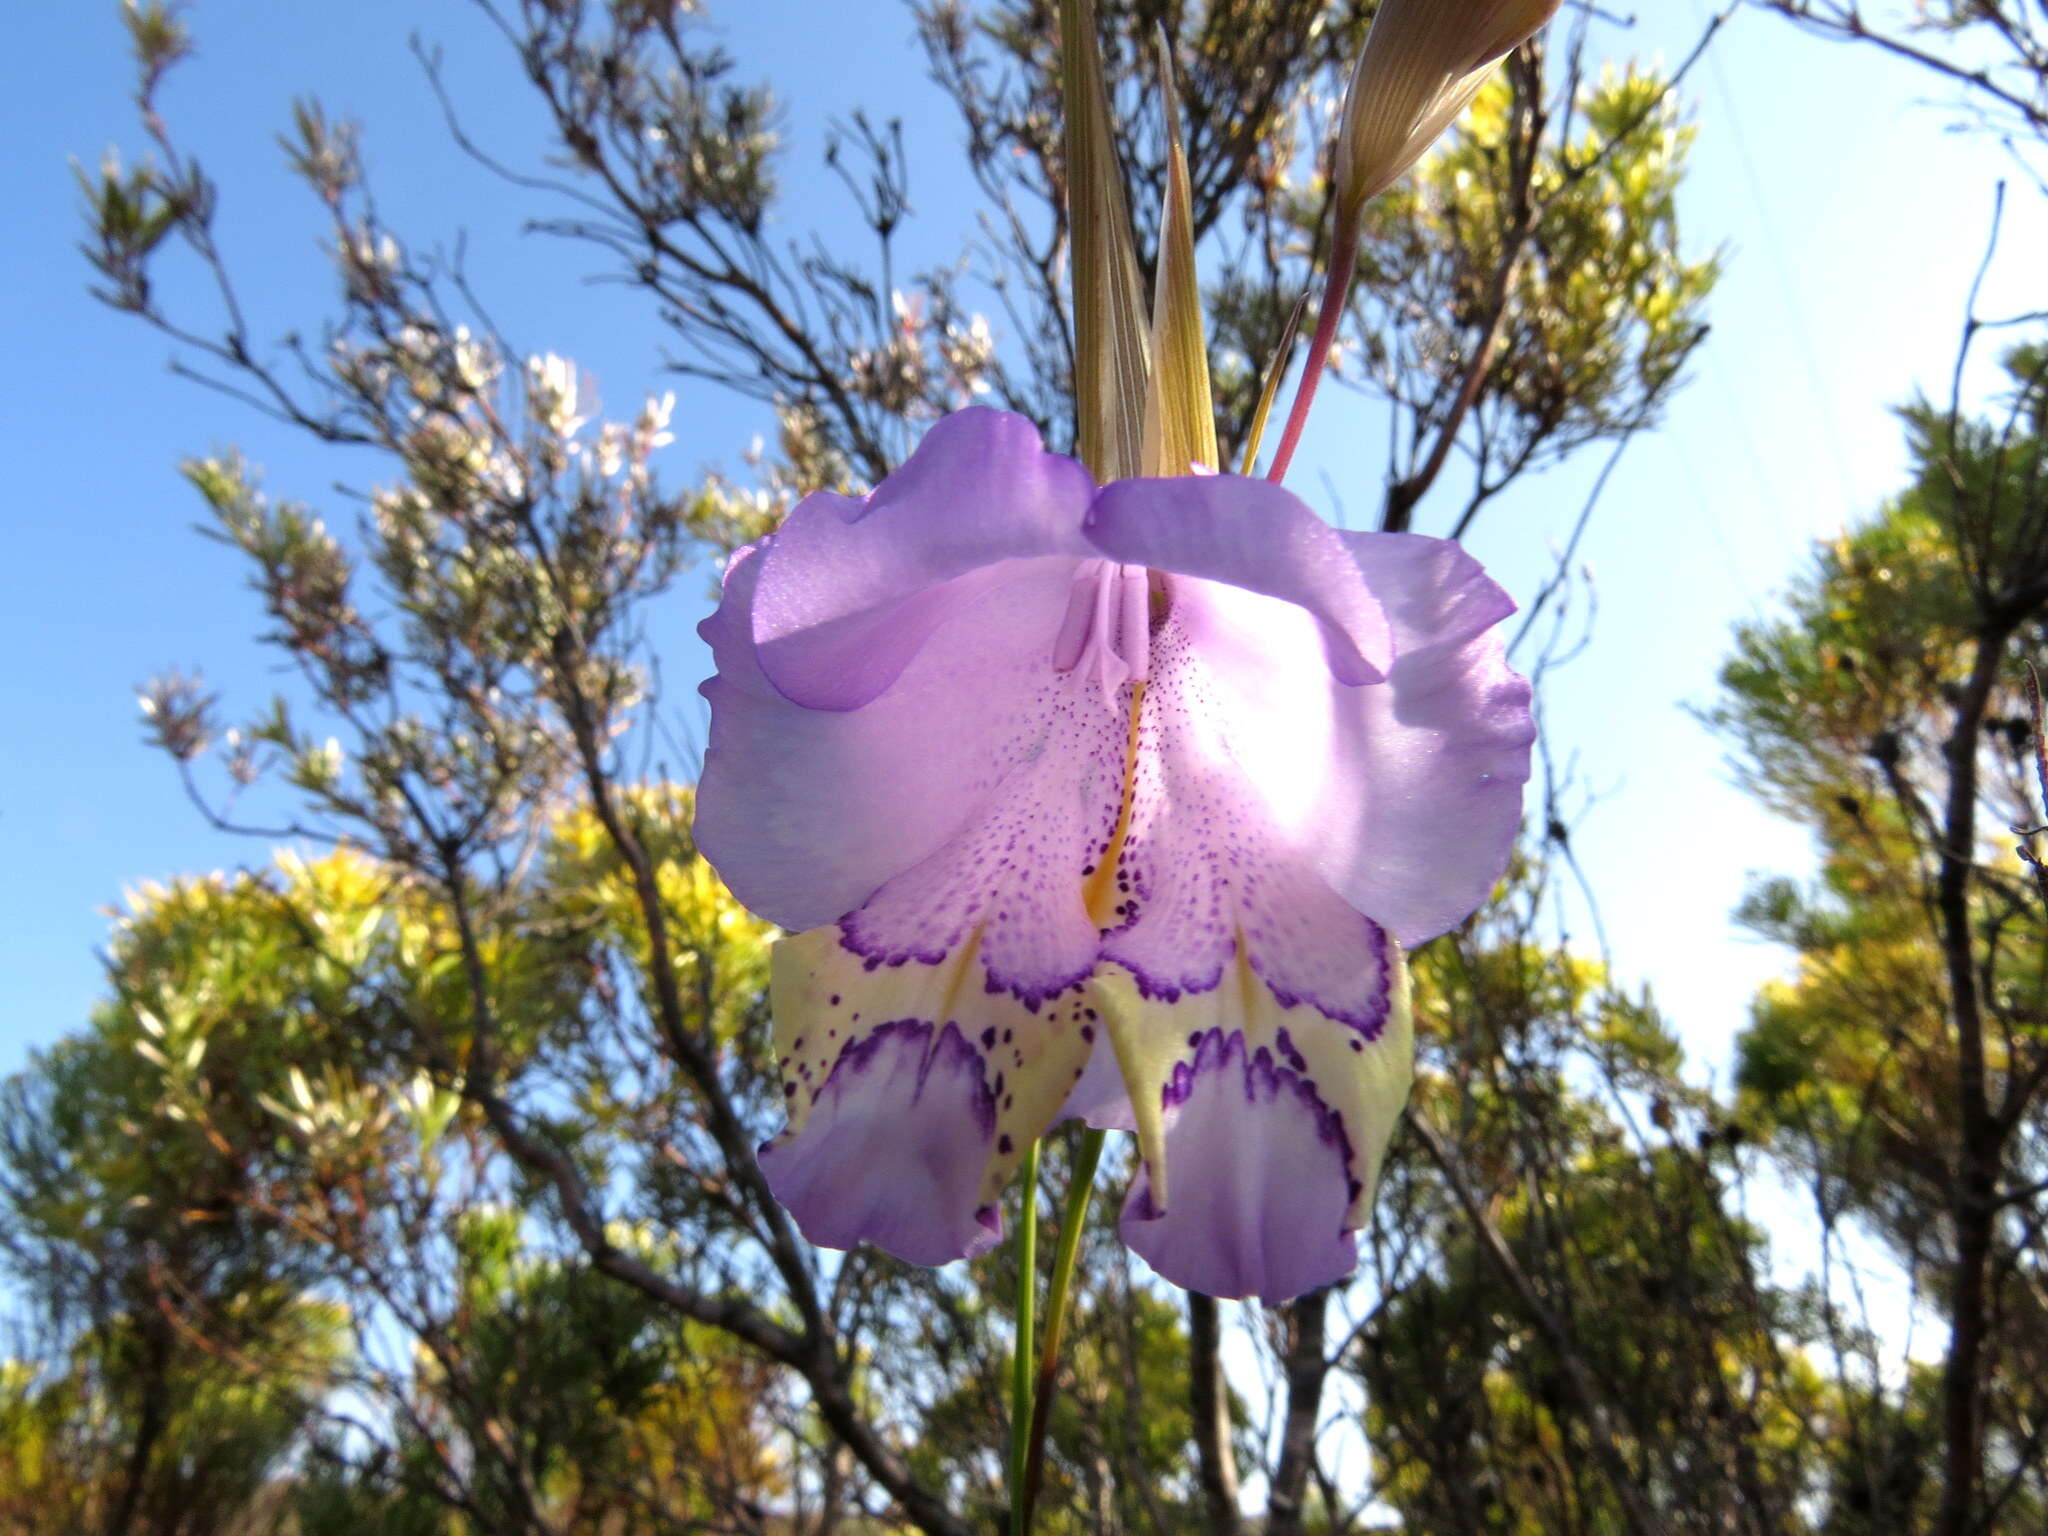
(1118,803)
(1423,62)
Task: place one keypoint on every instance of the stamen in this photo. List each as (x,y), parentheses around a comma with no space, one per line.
(1108,666)
(1080,618)
(1108,624)
(1134,633)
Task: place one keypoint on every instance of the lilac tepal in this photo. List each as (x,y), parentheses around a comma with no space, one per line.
(1119,803)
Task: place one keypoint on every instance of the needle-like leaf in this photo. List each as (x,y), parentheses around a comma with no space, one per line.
(1276,370)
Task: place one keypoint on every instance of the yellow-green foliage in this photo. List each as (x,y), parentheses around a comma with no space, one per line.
(1602,307)
(271,1104)
(719,949)
(1841,712)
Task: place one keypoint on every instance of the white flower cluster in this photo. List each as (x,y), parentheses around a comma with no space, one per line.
(969,351)
(551,396)
(897,374)
(370,263)
(461,442)
(624,450)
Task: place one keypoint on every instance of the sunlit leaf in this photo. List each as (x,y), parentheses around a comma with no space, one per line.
(1110,365)
(1180,415)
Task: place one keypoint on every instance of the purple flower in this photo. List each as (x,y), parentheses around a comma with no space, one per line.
(1115,802)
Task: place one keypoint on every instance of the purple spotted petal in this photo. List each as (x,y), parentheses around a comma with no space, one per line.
(1261,1177)
(1254,535)
(1210,872)
(1264,1018)
(806,813)
(851,588)
(989,941)
(913,1158)
(1247,964)
(1406,794)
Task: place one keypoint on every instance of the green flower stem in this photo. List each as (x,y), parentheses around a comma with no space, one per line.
(1020,1364)
(1071,1226)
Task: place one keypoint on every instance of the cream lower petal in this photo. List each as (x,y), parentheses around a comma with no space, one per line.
(1262,1128)
(912,1091)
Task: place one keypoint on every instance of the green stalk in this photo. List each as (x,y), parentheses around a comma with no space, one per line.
(1020,1364)
(1071,1227)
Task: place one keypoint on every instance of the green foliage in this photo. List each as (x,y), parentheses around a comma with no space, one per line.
(1898,1071)
(216,1427)
(201,1188)
(1569,1302)
(1841,713)
(1601,308)
(1472,1407)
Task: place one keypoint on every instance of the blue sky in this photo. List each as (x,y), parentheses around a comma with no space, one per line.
(1852,221)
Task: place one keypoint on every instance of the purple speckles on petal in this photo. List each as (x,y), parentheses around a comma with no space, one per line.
(1002,883)
(1210,870)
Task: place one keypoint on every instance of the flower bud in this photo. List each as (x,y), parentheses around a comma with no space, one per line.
(1423,62)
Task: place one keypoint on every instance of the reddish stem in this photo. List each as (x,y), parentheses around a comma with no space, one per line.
(1343,259)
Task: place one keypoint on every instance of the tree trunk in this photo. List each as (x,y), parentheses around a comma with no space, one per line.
(1306,1368)
(1210,1401)
(151,1420)
(1973,1192)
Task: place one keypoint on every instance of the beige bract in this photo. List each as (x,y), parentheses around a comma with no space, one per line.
(1423,62)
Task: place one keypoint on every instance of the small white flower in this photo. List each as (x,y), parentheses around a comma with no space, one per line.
(476,362)
(969,350)
(503,476)
(651,430)
(612,444)
(551,395)
(369,265)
